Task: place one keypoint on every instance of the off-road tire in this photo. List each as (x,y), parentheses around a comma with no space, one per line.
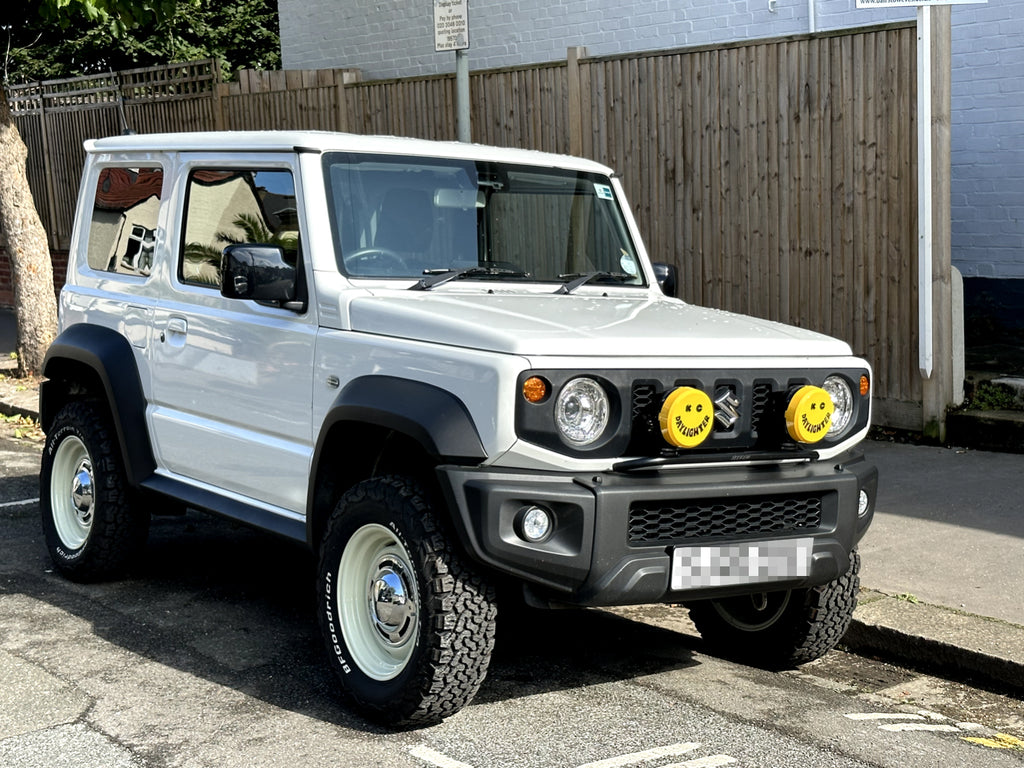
(91,527)
(435,657)
(792,628)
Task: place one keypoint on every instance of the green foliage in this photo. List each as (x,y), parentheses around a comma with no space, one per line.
(988,396)
(69,38)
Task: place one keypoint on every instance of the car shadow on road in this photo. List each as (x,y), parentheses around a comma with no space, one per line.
(236,607)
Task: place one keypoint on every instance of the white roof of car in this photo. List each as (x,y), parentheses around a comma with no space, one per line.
(326,141)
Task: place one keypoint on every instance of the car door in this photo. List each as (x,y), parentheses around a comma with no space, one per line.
(232,378)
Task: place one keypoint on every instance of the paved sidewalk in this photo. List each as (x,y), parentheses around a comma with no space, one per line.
(943,563)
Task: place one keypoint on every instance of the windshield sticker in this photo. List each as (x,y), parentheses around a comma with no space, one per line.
(604,191)
(628,263)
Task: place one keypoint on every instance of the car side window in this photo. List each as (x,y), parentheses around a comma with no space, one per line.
(230,206)
(122,231)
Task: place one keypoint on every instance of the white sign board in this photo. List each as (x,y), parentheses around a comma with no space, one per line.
(895,3)
(451,25)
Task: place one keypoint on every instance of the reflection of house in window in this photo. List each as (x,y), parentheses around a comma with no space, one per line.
(138,255)
(122,234)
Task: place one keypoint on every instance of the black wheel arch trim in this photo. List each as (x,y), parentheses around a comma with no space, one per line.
(433,417)
(109,355)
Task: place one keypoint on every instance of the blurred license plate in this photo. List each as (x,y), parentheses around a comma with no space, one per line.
(750,563)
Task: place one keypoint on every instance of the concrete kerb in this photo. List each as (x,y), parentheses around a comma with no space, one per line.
(934,638)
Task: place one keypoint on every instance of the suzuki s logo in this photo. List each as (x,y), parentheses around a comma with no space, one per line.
(727,407)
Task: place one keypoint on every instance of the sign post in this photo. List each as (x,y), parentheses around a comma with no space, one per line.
(451,33)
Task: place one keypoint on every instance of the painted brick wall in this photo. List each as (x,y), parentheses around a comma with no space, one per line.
(60,269)
(988,140)
(394,38)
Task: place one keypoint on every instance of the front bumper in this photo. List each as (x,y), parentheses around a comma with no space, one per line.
(615,532)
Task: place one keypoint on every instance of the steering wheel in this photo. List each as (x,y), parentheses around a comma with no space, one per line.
(374,260)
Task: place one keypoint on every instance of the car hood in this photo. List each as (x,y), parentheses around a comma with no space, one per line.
(582,325)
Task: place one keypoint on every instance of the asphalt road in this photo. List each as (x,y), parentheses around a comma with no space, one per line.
(208,656)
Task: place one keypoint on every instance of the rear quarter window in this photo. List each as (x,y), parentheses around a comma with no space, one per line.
(122,230)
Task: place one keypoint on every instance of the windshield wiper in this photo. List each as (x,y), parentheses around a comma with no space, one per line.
(436,277)
(582,278)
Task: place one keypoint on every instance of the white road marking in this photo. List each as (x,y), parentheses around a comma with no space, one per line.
(672,750)
(899,727)
(705,762)
(882,716)
(432,756)
(439,760)
(22,503)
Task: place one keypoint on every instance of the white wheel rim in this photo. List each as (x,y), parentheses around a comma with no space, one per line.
(72,500)
(378,602)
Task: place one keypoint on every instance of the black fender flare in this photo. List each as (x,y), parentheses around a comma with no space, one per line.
(109,356)
(433,417)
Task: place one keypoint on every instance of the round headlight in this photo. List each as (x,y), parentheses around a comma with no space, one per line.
(582,411)
(842,398)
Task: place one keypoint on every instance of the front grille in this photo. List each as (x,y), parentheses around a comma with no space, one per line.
(760,425)
(672,522)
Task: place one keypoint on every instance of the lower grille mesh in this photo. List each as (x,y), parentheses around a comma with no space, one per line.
(669,522)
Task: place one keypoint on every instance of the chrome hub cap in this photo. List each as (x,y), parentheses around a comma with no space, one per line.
(81,491)
(393,613)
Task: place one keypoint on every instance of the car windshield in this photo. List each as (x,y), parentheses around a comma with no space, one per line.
(439,220)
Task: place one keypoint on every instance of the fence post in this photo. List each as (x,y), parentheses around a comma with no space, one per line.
(218,92)
(343,78)
(572,60)
(938,389)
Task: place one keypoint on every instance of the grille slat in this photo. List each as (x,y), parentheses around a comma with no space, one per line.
(671,522)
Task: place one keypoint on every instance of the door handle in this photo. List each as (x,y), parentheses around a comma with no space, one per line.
(176,326)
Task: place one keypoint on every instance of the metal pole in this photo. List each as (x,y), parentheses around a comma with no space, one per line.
(462,95)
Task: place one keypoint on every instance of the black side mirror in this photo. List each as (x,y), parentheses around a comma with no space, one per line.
(260,273)
(667,277)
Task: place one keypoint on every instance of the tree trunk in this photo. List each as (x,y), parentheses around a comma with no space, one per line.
(27,248)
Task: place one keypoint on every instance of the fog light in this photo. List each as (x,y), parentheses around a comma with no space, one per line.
(534,524)
(862,504)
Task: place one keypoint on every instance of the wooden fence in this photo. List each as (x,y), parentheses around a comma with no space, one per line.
(778,175)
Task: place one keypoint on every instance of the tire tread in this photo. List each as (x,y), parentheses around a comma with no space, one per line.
(119,529)
(459,621)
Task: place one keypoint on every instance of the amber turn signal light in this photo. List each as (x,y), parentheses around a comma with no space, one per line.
(865,386)
(535,389)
